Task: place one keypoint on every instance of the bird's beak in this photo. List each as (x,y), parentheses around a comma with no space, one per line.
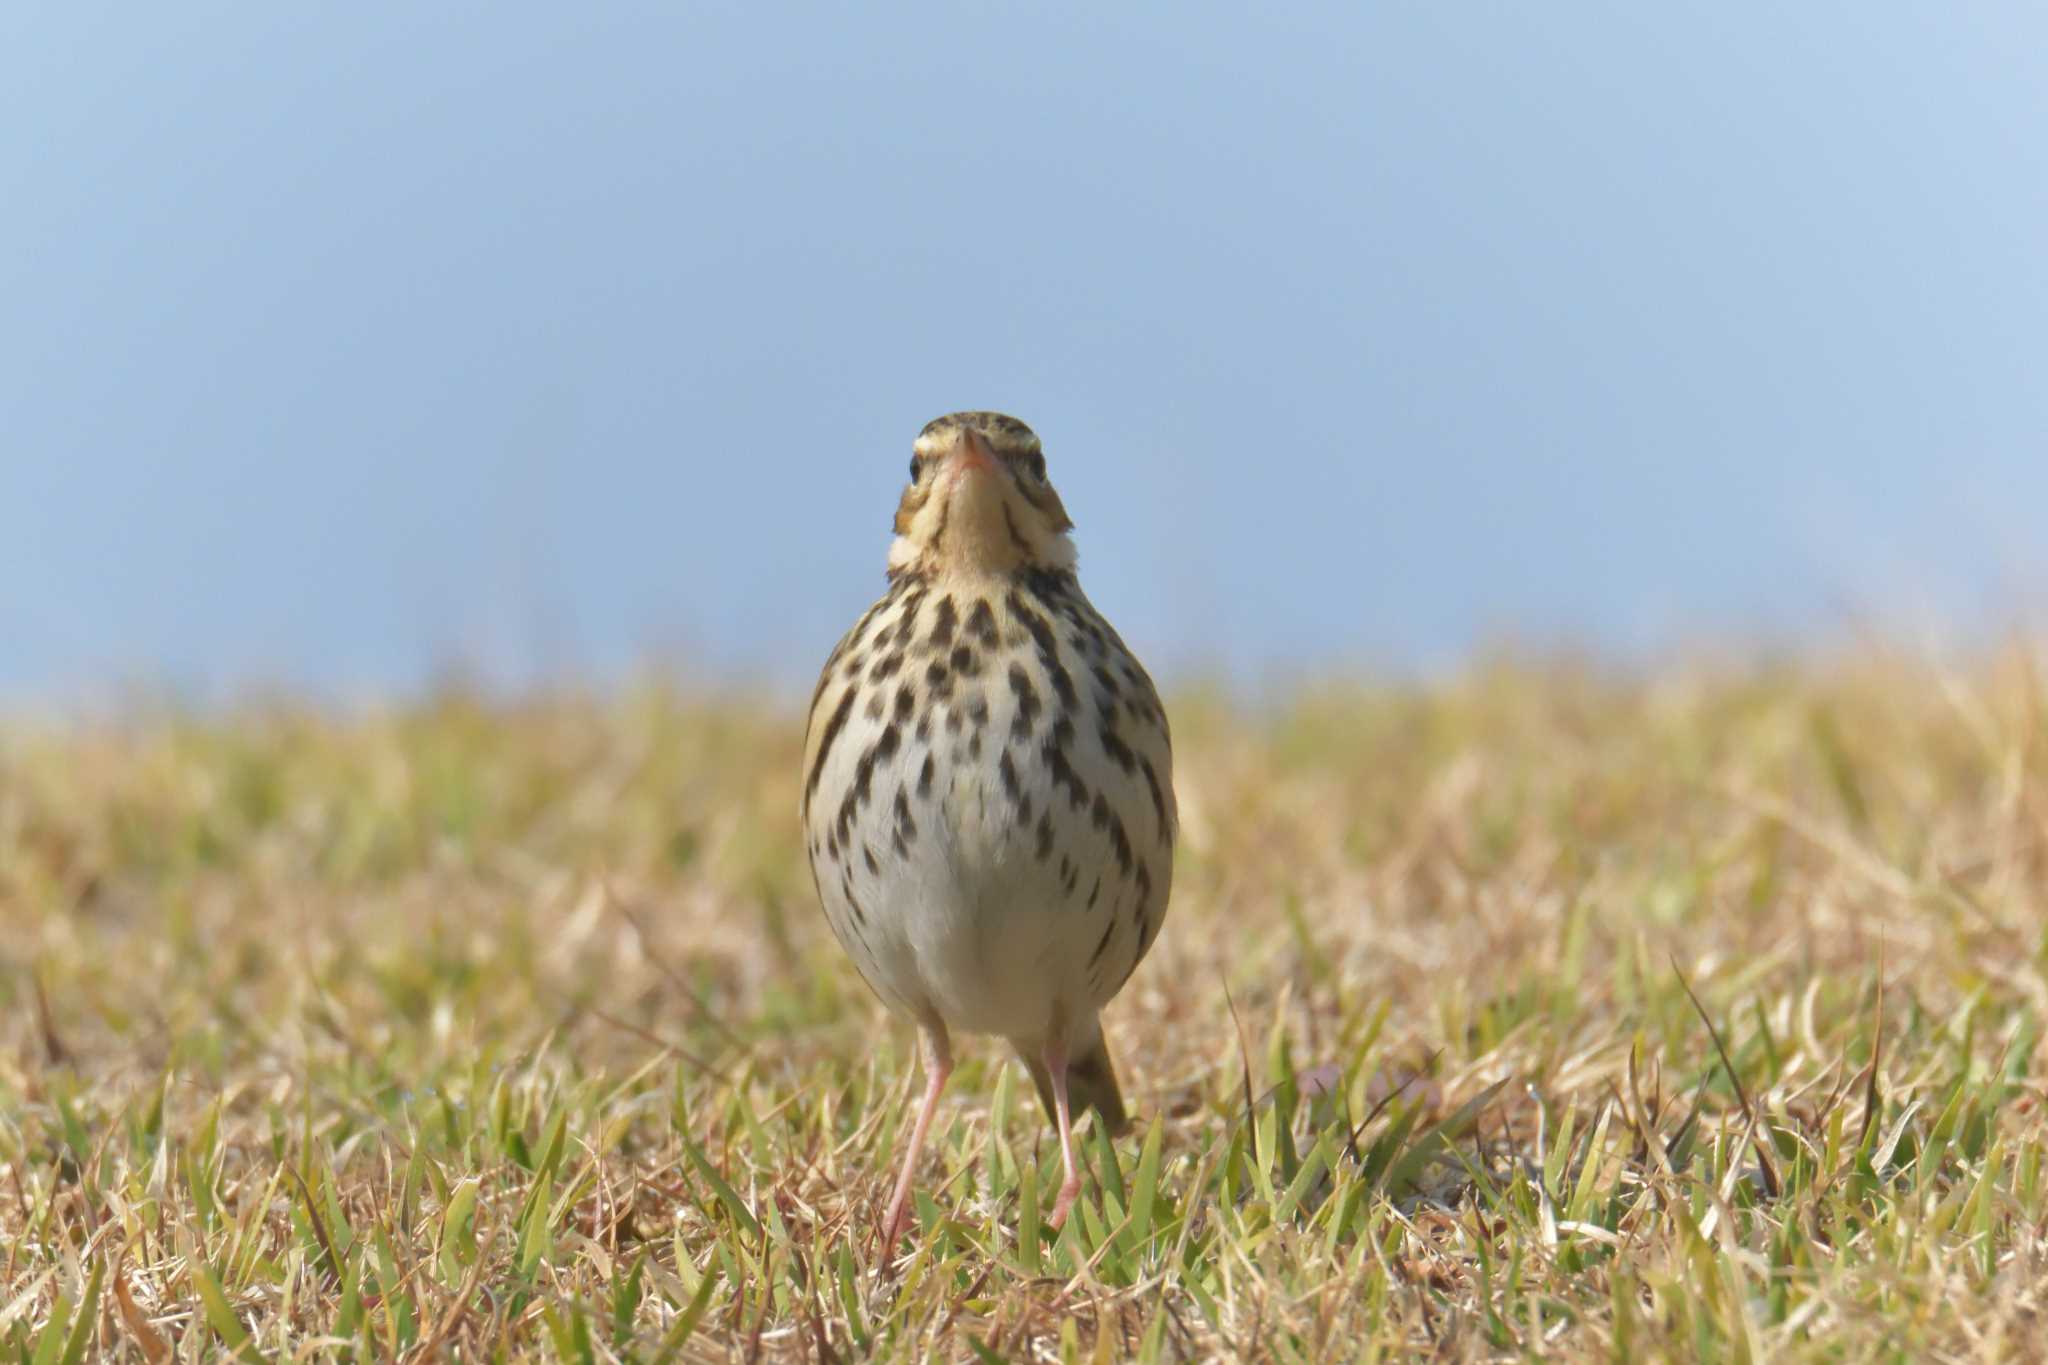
(972,454)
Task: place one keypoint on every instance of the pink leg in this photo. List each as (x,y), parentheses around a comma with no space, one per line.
(938,1064)
(1070,1188)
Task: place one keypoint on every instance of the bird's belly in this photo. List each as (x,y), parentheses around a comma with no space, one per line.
(966,923)
(978,891)
(986,950)
(988,810)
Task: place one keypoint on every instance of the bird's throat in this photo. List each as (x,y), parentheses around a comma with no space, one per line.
(981,532)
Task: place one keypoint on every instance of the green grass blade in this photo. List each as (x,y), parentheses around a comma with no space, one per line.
(726,1194)
(220,1315)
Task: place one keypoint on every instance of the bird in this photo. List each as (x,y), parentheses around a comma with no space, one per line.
(987,789)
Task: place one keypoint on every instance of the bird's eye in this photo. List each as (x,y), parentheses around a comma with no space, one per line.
(1038,466)
(916,468)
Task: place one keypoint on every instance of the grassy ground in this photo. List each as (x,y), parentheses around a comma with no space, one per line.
(515,1033)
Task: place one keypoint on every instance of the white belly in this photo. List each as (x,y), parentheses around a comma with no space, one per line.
(995,904)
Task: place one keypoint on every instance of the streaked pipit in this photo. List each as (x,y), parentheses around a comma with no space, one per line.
(988,784)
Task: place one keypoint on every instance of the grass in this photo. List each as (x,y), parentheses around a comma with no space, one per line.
(1533,1014)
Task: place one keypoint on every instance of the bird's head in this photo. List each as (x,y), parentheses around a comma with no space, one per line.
(979,502)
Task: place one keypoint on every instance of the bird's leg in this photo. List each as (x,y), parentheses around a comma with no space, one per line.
(1070,1188)
(938,1064)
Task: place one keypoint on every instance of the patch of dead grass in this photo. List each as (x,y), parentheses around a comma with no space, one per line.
(473,1031)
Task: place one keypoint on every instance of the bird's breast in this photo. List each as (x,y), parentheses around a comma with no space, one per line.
(989,800)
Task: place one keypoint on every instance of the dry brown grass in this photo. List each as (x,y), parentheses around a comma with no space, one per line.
(477,1032)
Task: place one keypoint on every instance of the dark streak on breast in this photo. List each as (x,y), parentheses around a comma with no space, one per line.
(833,726)
(981,623)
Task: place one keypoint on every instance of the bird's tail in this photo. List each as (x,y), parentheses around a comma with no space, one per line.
(1091,1084)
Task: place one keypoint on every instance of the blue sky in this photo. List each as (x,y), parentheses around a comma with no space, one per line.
(346,344)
